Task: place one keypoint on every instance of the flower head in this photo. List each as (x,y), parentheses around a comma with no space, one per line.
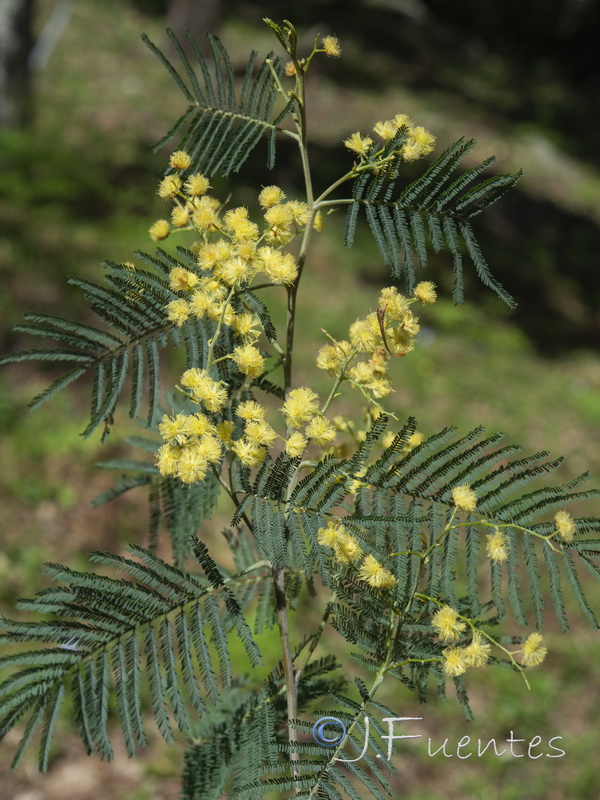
(169,187)
(565,525)
(283,270)
(419,144)
(260,432)
(192,465)
(331,46)
(196,185)
(249,453)
(359,144)
(180,160)
(454,663)
(464,498)
(204,216)
(234,272)
(425,292)
(321,431)
(365,334)
(239,226)
(178,311)
(271,196)
(410,323)
(180,216)
(225,432)
(534,651)
(251,411)
(209,447)
(166,459)
(181,279)
(174,429)
(375,574)
(477,653)
(299,212)
(403,121)
(331,357)
(362,372)
(346,549)
(394,303)
(280,215)
(249,360)
(296,445)
(386,130)
(159,230)
(204,389)
(200,304)
(448,624)
(245,326)
(331,535)
(300,406)
(496,546)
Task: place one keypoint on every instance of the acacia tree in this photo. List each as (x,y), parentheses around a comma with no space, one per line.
(388,531)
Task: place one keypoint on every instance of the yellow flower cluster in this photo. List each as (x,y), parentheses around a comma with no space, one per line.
(345,547)
(191,446)
(391,329)
(419,142)
(457,660)
(231,261)
(450,628)
(301,408)
(347,550)
(258,435)
(203,389)
(375,574)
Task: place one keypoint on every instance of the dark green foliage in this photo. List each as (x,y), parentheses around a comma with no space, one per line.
(239,739)
(415,489)
(131,302)
(320,773)
(436,208)
(163,633)
(222,126)
(406,502)
(98,631)
(180,508)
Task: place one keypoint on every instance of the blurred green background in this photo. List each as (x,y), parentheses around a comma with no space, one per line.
(77,185)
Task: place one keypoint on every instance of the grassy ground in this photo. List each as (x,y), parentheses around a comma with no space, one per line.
(73,198)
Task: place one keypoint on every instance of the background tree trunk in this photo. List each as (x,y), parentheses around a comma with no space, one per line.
(199,16)
(16,40)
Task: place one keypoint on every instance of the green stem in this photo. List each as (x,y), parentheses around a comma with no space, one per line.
(291,689)
(212,342)
(543,537)
(338,381)
(293,289)
(381,673)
